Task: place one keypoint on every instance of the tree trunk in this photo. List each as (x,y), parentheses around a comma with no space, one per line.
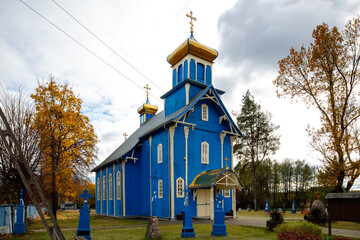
(254,185)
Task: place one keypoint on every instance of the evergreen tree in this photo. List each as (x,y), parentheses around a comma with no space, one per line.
(259,140)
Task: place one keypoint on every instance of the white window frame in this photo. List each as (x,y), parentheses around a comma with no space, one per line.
(159,153)
(104,188)
(227,193)
(204,112)
(118,185)
(204,153)
(98,189)
(180,187)
(110,187)
(160,188)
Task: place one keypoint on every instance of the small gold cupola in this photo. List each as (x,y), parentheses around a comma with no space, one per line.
(147,110)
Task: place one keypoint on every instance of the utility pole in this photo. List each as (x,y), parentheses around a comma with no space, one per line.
(28,178)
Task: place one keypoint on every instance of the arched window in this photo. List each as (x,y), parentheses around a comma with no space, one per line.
(204,112)
(174,78)
(192,69)
(98,189)
(159,153)
(160,188)
(179,187)
(104,188)
(110,187)
(118,185)
(204,153)
(180,74)
(208,75)
(200,72)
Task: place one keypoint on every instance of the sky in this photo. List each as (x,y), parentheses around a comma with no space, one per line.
(250,36)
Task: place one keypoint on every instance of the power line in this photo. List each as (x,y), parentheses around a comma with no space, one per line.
(87,49)
(111,49)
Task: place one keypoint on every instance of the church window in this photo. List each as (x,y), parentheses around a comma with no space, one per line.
(174,78)
(118,185)
(204,153)
(186,69)
(104,188)
(200,72)
(179,187)
(110,187)
(227,193)
(180,74)
(98,189)
(204,112)
(159,153)
(192,69)
(160,188)
(208,75)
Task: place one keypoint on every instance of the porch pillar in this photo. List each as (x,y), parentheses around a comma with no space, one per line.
(234,203)
(212,203)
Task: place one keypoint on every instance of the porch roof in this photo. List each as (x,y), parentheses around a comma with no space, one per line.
(223,178)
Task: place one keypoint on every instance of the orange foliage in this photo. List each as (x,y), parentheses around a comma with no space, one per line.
(67,139)
(326,75)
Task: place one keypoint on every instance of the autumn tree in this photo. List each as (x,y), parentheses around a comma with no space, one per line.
(259,140)
(326,75)
(18,110)
(67,139)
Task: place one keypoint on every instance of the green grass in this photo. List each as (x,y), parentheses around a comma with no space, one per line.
(68,222)
(70,219)
(167,232)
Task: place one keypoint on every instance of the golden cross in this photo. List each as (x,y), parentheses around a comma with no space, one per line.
(226,159)
(125,135)
(191,21)
(147,90)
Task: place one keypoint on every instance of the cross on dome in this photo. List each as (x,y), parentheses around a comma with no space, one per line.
(147,90)
(125,136)
(191,21)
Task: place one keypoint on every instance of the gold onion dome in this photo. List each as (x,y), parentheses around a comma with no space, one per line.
(147,108)
(193,47)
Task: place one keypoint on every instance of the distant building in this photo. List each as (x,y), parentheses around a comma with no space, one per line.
(184,145)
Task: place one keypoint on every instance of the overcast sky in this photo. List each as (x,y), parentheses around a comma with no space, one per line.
(250,36)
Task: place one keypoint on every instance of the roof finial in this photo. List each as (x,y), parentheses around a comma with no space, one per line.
(147,91)
(226,159)
(191,21)
(125,135)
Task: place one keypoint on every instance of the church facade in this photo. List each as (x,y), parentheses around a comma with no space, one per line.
(188,145)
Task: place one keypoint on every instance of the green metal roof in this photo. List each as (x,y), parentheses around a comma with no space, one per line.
(224,178)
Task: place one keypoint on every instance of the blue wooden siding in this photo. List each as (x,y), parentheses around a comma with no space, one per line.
(160,207)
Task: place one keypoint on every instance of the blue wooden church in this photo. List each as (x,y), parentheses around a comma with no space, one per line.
(188,144)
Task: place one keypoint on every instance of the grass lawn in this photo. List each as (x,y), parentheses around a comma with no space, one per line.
(68,222)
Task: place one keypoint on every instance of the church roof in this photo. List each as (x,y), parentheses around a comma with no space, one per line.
(193,47)
(159,121)
(224,178)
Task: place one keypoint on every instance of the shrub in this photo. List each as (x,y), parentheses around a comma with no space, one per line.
(276,216)
(299,231)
